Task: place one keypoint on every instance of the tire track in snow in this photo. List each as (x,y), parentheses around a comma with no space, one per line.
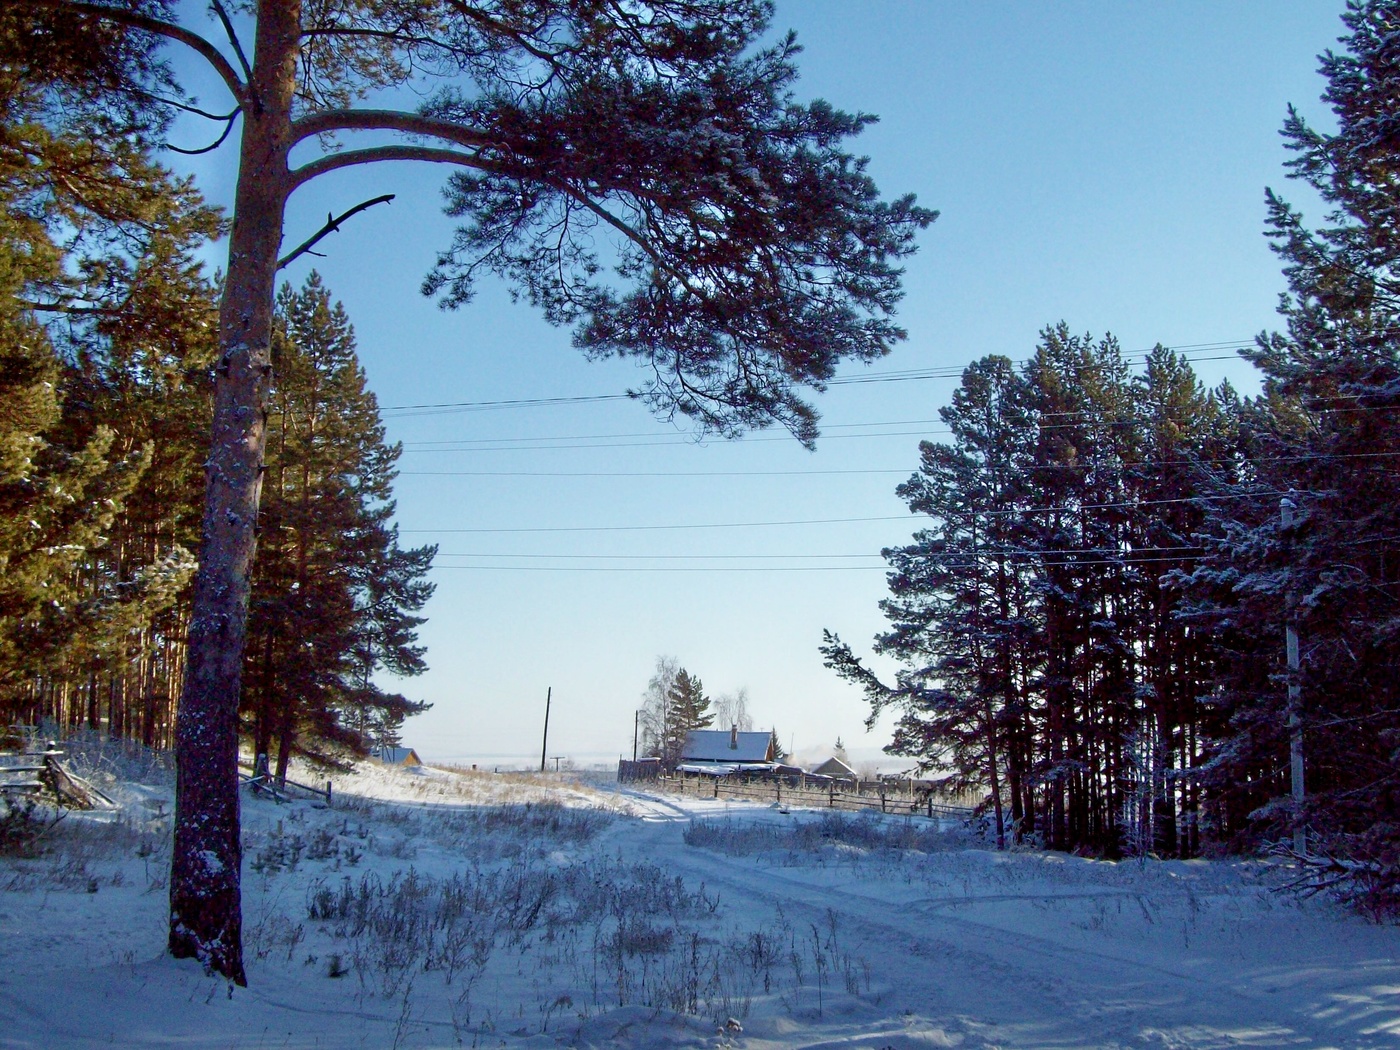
(1045,993)
(950,977)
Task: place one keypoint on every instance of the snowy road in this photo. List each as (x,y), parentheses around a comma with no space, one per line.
(811,933)
(986,968)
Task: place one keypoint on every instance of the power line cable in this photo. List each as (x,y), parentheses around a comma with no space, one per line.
(900,376)
(660,528)
(580,442)
(641,473)
(646,434)
(670,557)
(911,516)
(1017,552)
(1126,465)
(664,568)
(786,438)
(1162,560)
(968,560)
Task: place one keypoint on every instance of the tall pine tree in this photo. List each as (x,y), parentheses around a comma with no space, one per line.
(750,252)
(959,607)
(334,595)
(98,243)
(1035,618)
(1325,435)
(690,710)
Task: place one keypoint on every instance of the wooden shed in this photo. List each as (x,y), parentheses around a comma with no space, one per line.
(834,767)
(397,756)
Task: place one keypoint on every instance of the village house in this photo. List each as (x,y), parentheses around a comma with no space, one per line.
(836,769)
(397,756)
(719,752)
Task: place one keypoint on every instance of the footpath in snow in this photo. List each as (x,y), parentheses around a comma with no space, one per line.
(446,909)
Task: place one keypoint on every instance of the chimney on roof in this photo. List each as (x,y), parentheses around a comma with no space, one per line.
(734,736)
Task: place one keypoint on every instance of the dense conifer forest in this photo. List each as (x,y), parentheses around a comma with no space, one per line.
(107,362)
(104,451)
(1091,626)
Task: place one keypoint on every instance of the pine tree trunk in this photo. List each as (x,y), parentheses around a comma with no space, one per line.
(286,739)
(989,728)
(205,902)
(262,712)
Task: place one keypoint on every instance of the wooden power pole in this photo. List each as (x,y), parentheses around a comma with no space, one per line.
(545,746)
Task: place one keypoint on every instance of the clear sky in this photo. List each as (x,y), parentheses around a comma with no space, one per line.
(1102,163)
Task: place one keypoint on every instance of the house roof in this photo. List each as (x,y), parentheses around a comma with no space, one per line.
(834,767)
(398,756)
(712,745)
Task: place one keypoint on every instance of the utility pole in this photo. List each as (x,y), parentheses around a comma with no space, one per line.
(545,746)
(1286,507)
(636,729)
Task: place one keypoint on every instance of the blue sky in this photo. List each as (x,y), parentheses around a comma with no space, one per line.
(1101,163)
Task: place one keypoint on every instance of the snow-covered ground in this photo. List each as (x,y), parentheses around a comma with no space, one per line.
(437,909)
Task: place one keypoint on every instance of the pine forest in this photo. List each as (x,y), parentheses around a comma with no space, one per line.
(107,334)
(1140,615)
(1094,624)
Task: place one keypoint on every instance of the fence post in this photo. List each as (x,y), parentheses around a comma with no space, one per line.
(716,787)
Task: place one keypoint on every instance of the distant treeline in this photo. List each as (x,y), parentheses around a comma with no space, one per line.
(1091,624)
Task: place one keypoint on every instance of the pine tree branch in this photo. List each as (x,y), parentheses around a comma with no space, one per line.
(332,226)
(68,308)
(436,155)
(330,121)
(473,13)
(394,35)
(190,39)
(375,154)
(184,107)
(232,38)
(228,128)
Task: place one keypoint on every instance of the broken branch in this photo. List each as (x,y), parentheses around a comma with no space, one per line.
(332,226)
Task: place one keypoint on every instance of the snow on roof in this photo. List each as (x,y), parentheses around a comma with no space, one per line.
(834,767)
(712,745)
(398,756)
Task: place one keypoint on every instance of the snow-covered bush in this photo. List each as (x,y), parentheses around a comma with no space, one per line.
(106,761)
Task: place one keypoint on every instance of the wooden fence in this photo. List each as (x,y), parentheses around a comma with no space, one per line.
(824,794)
(37,768)
(264,783)
(645,769)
